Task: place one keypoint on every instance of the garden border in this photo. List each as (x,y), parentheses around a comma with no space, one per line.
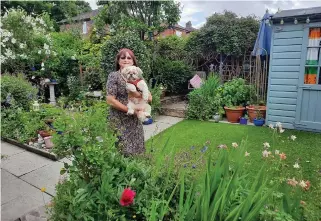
(32,149)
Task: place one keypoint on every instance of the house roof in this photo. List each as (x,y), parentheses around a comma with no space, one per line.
(177,26)
(297,13)
(82,17)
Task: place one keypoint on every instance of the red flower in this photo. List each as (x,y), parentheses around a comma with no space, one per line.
(127,197)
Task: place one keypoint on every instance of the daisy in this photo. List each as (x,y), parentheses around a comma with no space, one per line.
(235,145)
(277,152)
(293,137)
(266,153)
(266,145)
(247,154)
(292,182)
(296,166)
(303,184)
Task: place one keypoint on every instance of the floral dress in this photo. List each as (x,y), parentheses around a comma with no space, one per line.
(129,128)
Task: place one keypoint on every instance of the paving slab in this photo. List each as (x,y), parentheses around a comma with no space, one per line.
(47,176)
(15,188)
(20,205)
(9,149)
(154,129)
(24,162)
(168,119)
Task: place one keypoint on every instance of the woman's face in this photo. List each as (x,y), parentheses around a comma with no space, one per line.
(125,61)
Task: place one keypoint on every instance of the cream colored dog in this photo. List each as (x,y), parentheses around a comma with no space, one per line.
(134,79)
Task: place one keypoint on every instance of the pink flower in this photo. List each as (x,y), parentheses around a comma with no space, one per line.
(282,156)
(127,197)
(292,182)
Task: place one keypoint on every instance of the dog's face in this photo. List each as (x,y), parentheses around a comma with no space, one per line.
(132,73)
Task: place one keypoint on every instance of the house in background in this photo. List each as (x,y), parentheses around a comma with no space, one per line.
(84,23)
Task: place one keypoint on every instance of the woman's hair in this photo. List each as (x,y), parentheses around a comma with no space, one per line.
(121,53)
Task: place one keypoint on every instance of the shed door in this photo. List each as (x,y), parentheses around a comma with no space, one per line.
(308,113)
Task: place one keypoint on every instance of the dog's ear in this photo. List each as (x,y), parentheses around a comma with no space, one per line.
(139,73)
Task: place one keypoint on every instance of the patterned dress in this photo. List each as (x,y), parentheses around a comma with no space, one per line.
(129,129)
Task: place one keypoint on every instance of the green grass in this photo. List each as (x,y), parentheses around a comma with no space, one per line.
(306,150)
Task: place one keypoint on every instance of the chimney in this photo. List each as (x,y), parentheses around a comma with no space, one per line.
(189,25)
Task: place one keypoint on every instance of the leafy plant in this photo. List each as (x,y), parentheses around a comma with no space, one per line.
(156,102)
(235,92)
(174,74)
(17,88)
(205,101)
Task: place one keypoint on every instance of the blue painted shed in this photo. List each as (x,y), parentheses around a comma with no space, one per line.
(294,84)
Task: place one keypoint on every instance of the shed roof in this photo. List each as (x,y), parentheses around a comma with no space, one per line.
(297,12)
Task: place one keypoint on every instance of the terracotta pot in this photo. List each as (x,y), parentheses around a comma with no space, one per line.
(234,114)
(44,133)
(251,111)
(48,142)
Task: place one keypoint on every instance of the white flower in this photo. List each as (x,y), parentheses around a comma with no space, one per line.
(276,152)
(302,184)
(296,166)
(2,59)
(39,52)
(52,28)
(41,21)
(54,53)
(293,137)
(33,77)
(266,144)
(235,145)
(23,56)
(73,57)
(271,126)
(21,45)
(247,154)
(13,40)
(266,153)
(47,52)
(42,69)
(8,52)
(45,46)
(42,64)
(5,39)
(281,130)
(3,45)
(278,124)
(100,140)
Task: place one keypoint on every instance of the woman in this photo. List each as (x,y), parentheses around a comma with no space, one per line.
(129,128)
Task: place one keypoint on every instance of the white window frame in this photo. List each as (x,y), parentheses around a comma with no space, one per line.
(178,33)
(84,27)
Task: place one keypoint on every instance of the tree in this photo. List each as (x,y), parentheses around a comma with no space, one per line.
(148,18)
(58,10)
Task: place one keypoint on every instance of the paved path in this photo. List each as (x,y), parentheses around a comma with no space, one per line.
(23,174)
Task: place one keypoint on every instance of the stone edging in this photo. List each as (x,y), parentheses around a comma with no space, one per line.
(31,149)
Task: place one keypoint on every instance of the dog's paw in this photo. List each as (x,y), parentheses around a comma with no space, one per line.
(130,87)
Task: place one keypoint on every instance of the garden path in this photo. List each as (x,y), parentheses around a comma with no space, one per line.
(23,174)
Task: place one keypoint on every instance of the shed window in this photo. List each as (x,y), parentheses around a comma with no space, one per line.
(313,61)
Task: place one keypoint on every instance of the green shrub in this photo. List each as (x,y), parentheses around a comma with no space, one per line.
(236,92)
(129,40)
(174,75)
(19,90)
(156,102)
(205,101)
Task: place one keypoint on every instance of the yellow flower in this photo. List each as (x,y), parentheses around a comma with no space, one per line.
(134,216)
(43,189)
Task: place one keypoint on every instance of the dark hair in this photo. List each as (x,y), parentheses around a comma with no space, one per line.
(122,52)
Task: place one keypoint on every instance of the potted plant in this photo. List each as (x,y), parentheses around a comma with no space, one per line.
(234,113)
(251,109)
(243,120)
(258,120)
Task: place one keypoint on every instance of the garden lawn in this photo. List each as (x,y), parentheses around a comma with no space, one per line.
(305,149)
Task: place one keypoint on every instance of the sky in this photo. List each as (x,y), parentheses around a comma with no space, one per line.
(198,11)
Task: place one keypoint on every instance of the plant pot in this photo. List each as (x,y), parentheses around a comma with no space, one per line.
(243,120)
(48,142)
(44,133)
(258,122)
(234,114)
(251,111)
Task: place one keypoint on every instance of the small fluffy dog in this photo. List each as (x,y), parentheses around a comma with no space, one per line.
(134,79)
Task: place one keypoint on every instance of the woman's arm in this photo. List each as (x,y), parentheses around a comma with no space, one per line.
(137,94)
(111,100)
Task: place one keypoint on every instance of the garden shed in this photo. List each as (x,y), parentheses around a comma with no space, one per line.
(294,90)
